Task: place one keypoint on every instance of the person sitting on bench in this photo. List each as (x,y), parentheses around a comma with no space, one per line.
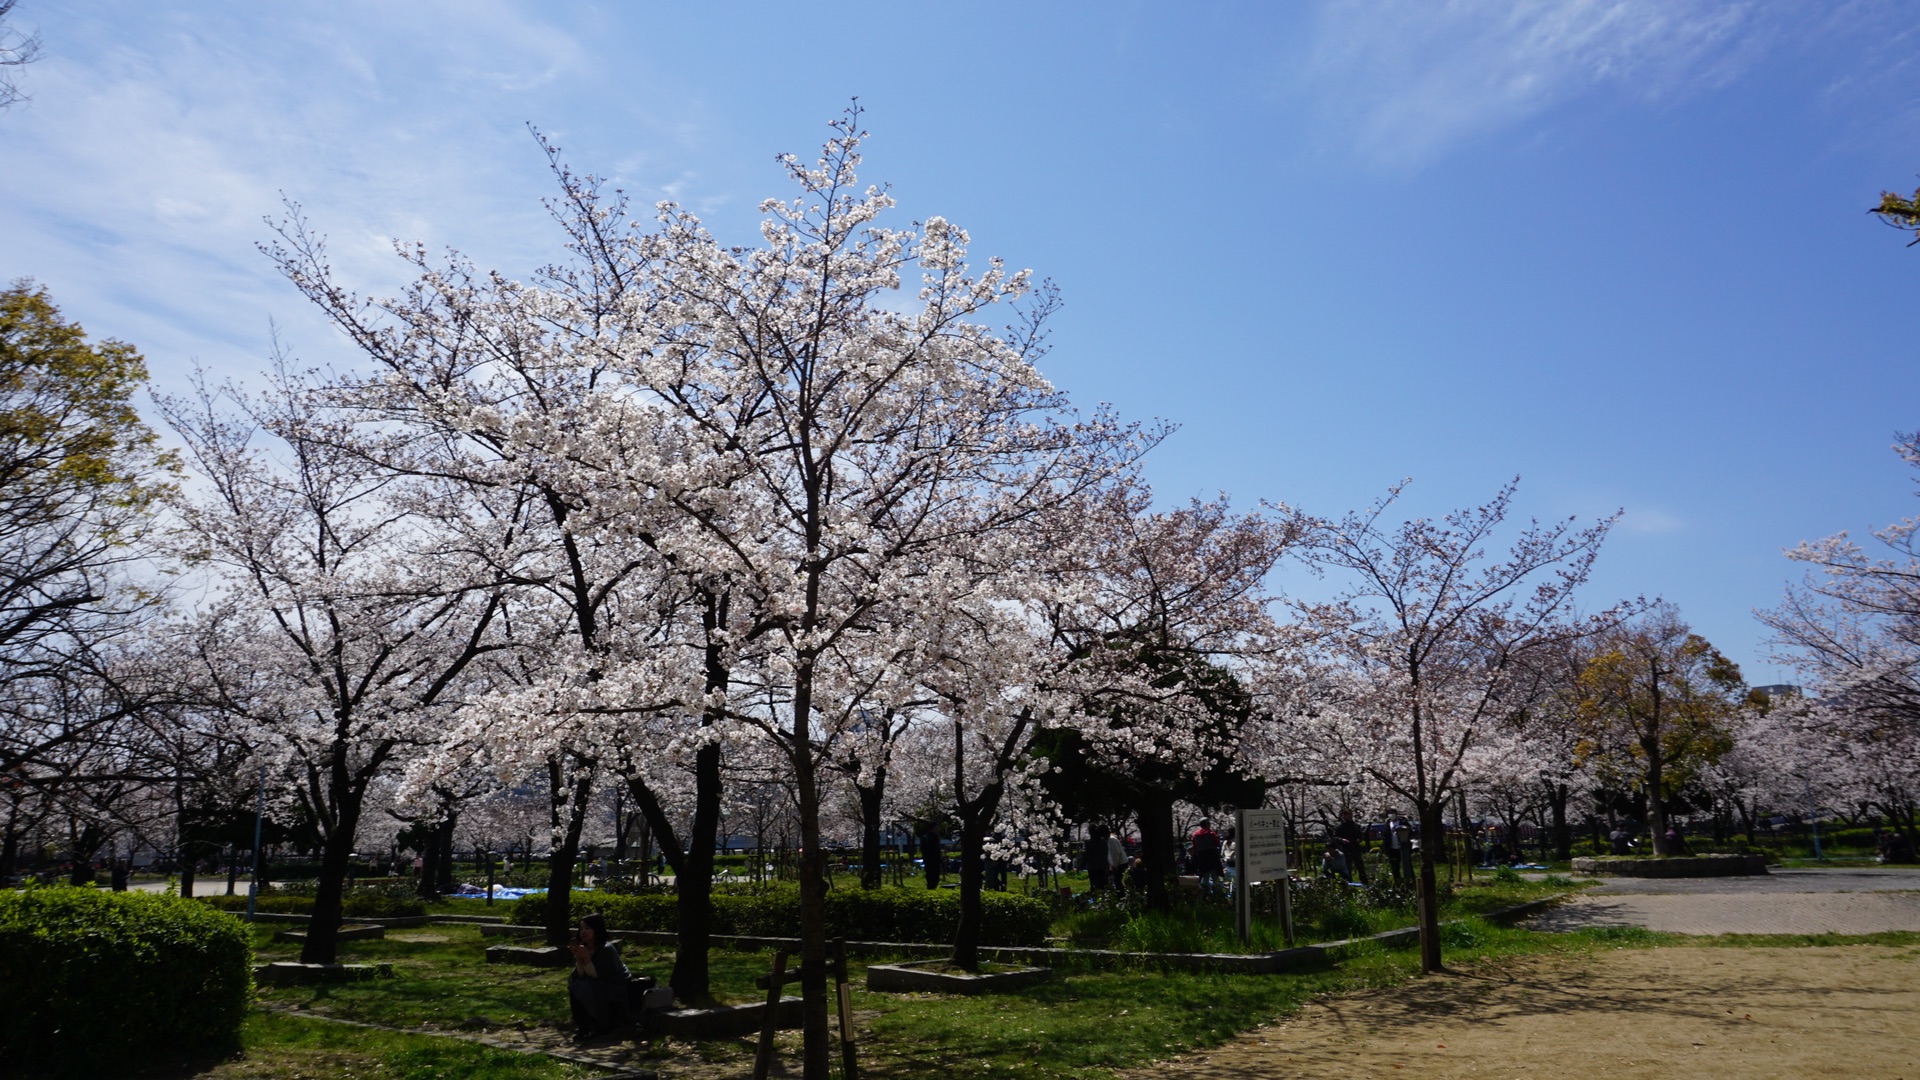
(597,988)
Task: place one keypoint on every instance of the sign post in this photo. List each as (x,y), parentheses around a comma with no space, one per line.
(1260,855)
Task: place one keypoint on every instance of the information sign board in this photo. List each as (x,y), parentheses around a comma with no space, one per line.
(1263,845)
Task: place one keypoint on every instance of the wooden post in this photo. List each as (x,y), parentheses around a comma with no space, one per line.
(849,1068)
(763,1060)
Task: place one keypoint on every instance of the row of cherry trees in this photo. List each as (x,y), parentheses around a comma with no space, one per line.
(694,523)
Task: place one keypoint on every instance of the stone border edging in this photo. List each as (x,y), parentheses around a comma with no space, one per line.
(1683,866)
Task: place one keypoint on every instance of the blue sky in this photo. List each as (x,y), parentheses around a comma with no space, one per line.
(1615,247)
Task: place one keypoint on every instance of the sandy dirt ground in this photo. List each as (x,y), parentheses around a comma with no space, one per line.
(1698,1013)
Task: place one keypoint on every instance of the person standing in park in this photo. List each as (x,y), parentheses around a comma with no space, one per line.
(1099,864)
(1619,841)
(930,853)
(1352,840)
(1203,856)
(119,875)
(1398,845)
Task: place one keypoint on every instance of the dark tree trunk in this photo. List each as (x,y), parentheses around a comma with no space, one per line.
(560,865)
(977,816)
(692,864)
(1657,800)
(1557,795)
(973,865)
(425,883)
(443,837)
(1158,850)
(1432,836)
(10,849)
(870,804)
(85,846)
(816,1051)
(330,891)
(183,850)
(694,880)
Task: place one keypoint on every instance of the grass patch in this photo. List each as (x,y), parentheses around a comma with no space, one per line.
(441,979)
(291,1048)
(1082,1025)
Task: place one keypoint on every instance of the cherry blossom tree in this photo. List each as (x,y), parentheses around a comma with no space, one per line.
(1853,626)
(1422,658)
(1148,639)
(778,427)
(343,625)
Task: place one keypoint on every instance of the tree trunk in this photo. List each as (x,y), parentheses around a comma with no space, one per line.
(566,852)
(330,891)
(1562,834)
(443,840)
(976,821)
(1432,838)
(694,881)
(85,846)
(9,851)
(1157,850)
(870,805)
(423,884)
(692,864)
(816,1053)
(1656,800)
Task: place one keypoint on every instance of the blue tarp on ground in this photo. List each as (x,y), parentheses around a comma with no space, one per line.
(503,892)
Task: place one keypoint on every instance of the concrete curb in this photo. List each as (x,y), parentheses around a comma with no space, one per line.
(1684,866)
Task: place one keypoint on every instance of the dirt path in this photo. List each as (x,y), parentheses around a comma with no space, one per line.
(1701,1013)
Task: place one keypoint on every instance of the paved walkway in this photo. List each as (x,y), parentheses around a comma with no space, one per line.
(201,886)
(1609,1014)
(1797,901)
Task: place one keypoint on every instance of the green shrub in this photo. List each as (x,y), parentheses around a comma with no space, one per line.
(1460,934)
(92,982)
(917,915)
(359,904)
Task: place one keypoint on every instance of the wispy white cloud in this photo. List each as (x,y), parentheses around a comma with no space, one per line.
(1649,521)
(136,182)
(1399,82)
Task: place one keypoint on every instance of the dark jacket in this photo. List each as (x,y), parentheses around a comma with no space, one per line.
(607,966)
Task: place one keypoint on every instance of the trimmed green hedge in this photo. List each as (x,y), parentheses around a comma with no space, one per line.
(356,906)
(891,914)
(93,982)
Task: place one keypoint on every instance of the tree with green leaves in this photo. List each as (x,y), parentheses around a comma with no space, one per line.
(1656,704)
(1900,211)
(79,473)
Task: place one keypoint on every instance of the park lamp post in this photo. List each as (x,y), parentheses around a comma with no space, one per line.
(259,819)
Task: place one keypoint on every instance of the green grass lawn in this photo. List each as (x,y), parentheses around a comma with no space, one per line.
(1324,910)
(291,1048)
(1082,1025)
